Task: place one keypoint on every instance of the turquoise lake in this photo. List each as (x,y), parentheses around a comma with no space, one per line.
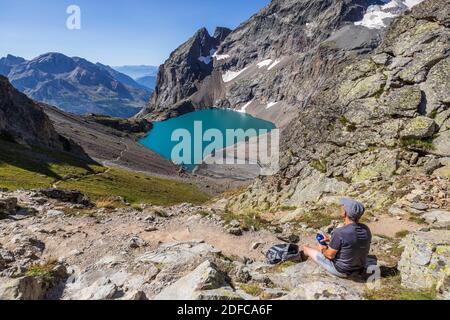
(160,141)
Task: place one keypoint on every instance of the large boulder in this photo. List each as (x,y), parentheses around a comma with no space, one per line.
(367,166)
(438,218)
(314,187)
(324,289)
(437,84)
(441,145)
(25,288)
(103,289)
(34,287)
(404,101)
(69,196)
(307,281)
(105,281)
(8,205)
(425,261)
(192,286)
(419,128)
(362,88)
(443,172)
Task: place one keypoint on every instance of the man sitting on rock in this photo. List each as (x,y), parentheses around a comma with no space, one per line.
(348,247)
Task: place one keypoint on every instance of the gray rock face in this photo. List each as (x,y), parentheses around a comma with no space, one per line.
(419,128)
(324,290)
(178,253)
(179,77)
(76,85)
(104,284)
(23,121)
(205,277)
(424,263)
(438,218)
(441,144)
(33,288)
(307,281)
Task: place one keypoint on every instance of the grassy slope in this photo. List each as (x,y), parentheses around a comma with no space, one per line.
(22,168)
(137,188)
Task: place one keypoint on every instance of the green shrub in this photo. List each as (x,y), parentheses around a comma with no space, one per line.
(413,143)
(402,234)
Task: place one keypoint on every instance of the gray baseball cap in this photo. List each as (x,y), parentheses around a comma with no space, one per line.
(354,209)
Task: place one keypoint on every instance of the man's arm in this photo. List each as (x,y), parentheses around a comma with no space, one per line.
(328,252)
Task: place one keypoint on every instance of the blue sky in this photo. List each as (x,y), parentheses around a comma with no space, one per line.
(114,32)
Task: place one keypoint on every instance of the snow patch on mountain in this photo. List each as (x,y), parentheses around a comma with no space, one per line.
(377,15)
(205,60)
(265,63)
(208,59)
(271,104)
(274,64)
(231,75)
(412,3)
(220,56)
(244,108)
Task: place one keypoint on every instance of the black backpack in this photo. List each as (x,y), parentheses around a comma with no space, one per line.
(282,252)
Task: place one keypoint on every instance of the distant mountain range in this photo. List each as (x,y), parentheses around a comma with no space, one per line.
(136,72)
(76,85)
(144,75)
(148,82)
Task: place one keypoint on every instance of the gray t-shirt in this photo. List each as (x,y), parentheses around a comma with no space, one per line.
(353,245)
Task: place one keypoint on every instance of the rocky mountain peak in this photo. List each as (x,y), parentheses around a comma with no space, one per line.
(179,77)
(24,121)
(221,33)
(53,62)
(12,60)
(8,62)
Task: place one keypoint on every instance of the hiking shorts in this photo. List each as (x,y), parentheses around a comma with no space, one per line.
(329,266)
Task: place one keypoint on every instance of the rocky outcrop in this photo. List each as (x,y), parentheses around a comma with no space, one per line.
(136,127)
(204,277)
(7,206)
(180,76)
(438,218)
(37,287)
(24,121)
(378,118)
(75,85)
(425,261)
(68,196)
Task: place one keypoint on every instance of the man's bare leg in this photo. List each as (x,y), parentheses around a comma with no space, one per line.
(310,253)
